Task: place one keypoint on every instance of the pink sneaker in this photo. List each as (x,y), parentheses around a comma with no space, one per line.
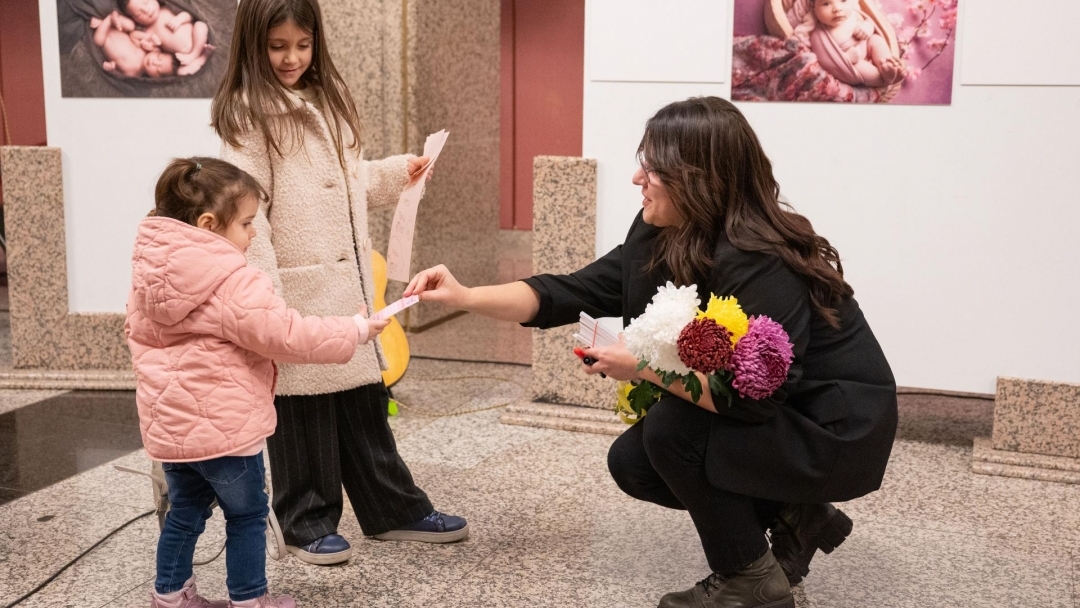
(281,601)
(185,598)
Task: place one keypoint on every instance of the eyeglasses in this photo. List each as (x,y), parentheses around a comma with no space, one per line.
(647,170)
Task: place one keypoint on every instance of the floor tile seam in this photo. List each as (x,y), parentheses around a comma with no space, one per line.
(127,592)
(93,501)
(96,469)
(1036,543)
(465,577)
(75,479)
(73,570)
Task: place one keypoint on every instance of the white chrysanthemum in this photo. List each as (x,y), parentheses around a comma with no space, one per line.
(654,335)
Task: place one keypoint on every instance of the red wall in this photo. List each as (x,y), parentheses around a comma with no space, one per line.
(543,80)
(20,76)
(20,72)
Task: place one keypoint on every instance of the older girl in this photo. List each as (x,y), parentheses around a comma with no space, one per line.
(285,116)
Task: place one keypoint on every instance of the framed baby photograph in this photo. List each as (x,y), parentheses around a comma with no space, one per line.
(143,48)
(860,51)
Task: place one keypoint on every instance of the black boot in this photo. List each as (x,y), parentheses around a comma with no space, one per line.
(802,529)
(759,585)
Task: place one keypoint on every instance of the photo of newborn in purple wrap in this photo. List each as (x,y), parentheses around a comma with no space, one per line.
(862,51)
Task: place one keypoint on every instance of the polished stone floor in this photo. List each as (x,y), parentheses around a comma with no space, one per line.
(549,527)
(48,436)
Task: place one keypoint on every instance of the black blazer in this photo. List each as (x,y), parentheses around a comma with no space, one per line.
(825,435)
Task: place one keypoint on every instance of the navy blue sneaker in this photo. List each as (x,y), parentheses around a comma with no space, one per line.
(435,528)
(326,551)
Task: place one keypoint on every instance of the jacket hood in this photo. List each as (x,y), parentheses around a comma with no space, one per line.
(176,267)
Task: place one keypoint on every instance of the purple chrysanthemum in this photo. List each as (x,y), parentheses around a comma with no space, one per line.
(705,346)
(762,358)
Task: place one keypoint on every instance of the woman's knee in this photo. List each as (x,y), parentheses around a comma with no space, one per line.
(672,432)
(625,458)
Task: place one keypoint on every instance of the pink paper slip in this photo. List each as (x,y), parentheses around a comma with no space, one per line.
(399,252)
(395,308)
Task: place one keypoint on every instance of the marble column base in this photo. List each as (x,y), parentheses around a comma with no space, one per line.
(563,418)
(1036,432)
(985,460)
(103,380)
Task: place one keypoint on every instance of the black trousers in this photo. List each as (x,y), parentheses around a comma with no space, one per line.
(325,441)
(662,460)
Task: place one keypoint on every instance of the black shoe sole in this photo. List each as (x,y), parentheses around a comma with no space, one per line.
(832,535)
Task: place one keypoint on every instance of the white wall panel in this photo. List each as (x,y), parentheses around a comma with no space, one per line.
(957,224)
(647,41)
(1021,43)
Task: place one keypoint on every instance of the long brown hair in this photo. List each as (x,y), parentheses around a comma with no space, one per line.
(190,187)
(720,181)
(251,96)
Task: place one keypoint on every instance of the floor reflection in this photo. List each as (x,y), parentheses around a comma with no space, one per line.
(49,441)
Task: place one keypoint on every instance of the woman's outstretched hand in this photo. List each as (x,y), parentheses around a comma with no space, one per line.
(614,361)
(437,285)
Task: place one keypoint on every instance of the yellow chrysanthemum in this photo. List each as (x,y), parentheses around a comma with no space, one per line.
(622,402)
(727,312)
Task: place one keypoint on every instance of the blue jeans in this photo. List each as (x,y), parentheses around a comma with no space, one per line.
(237,484)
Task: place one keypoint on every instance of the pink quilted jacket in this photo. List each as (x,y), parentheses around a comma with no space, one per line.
(204,330)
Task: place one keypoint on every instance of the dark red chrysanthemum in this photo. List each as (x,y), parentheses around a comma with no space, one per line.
(705,346)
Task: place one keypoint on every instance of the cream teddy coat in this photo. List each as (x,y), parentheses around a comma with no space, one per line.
(312,236)
(203,328)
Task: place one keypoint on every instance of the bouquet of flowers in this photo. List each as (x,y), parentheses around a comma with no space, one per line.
(736,353)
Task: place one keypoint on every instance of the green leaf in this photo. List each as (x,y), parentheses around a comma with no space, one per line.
(642,365)
(692,384)
(718,385)
(642,397)
(668,378)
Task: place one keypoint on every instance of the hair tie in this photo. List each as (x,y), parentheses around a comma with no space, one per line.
(198,166)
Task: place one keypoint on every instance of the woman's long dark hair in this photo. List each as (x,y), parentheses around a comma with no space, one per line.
(250,94)
(720,181)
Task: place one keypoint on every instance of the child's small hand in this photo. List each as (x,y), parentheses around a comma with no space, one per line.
(860,34)
(174,23)
(416,164)
(376,327)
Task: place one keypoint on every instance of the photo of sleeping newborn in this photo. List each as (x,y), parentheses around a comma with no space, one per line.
(143,48)
(861,51)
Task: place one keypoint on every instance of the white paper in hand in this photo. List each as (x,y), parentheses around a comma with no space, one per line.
(592,334)
(399,253)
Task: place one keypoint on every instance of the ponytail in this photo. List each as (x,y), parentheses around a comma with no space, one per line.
(190,187)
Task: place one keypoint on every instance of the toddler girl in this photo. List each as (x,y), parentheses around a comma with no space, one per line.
(204,330)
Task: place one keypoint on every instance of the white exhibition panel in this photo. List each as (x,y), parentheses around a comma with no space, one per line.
(113,151)
(647,41)
(955,223)
(1028,43)
(614,116)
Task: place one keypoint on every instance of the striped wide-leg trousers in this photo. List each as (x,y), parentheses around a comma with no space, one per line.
(325,441)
